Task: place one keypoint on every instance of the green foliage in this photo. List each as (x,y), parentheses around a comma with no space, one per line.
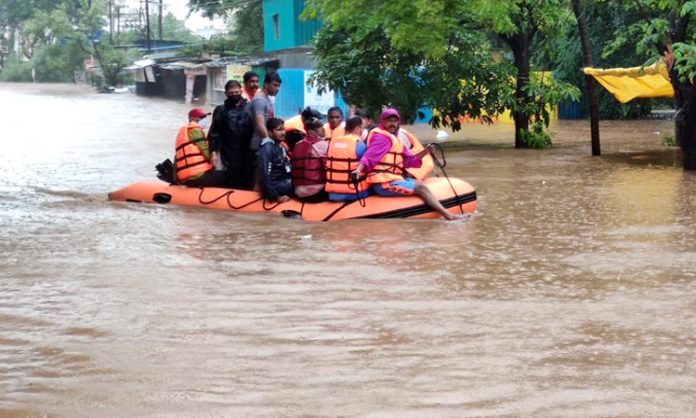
(14,70)
(536,137)
(247,33)
(685,61)
(56,63)
(602,19)
(380,52)
(367,71)
(668,141)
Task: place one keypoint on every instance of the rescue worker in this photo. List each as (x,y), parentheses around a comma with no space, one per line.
(230,134)
(275,177)
(335,126)
(342,158)
(385,162)
(308,156)
(192,162)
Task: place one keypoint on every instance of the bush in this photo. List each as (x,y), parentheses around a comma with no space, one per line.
(536,137)
(14,70)
(669,141)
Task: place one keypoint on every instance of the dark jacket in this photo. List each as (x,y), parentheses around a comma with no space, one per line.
(230,132)
(274,170)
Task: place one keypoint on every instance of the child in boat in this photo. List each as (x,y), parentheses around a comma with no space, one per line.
(274,170)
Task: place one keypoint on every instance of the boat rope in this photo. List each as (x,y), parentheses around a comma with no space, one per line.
(441,162)
(225,195)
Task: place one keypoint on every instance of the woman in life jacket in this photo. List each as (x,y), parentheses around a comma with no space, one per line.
(342,158)
(308,156)
(192,162)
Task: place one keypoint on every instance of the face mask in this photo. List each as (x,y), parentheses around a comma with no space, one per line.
(203,123)
(234,99)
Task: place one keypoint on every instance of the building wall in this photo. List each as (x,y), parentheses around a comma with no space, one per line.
(304,30)
(278,15)
(292,30)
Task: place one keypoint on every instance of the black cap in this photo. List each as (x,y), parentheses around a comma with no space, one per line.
(308,112)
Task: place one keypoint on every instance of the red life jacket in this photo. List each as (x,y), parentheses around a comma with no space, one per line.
(190,162)
(306,168)
(341,160)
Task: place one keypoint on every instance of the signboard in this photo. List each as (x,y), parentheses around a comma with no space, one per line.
(236,72)
(189,88)
(321,102)
(79,76)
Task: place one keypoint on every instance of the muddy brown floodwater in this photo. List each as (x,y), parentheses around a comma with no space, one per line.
(569,293)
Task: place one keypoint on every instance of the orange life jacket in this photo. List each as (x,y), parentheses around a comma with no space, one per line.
(341,160)
(334,133)
(391,166)
(190,162)
(427,166)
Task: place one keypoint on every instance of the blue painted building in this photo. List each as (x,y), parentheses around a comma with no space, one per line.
(287,34)
(283,27)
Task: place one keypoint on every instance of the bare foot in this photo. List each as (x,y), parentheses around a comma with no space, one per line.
(453,217)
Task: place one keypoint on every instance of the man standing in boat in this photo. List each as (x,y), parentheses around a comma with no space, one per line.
(385,161)
(230,134)
(260,108)
(251,85)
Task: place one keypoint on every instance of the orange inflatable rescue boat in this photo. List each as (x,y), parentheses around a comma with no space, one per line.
(458,196)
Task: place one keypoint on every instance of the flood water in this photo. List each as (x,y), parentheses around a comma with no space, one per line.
(569,293)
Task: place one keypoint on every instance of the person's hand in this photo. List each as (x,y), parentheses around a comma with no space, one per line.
(283,199)
(355,175)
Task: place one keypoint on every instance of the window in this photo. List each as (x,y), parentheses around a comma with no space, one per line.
(276,26)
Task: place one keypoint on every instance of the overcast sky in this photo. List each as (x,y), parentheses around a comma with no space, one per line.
(179,8)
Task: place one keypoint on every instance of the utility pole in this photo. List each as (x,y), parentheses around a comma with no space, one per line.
(159,17)
(118,24)
(111,22)
(147,26)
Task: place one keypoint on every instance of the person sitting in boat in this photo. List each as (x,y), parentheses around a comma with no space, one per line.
(385,161)
(335,126)
(308,156)
(294,127)
(275,178)
(192,163)
(342,158)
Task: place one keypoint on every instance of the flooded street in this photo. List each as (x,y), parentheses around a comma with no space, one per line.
(569,293)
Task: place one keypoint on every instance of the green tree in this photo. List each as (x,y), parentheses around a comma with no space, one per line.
(449,40)
(247,18)
(666,29)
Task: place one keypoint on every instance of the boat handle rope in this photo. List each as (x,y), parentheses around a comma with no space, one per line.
(226,195)
(441,165)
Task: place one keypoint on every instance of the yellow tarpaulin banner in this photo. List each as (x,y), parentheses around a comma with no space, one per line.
(627,84)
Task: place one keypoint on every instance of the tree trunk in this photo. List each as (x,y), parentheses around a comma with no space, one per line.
(685,121)
(520,46)
(578,9)
(685,100)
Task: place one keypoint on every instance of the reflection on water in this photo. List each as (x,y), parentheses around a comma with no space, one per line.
(567,294)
